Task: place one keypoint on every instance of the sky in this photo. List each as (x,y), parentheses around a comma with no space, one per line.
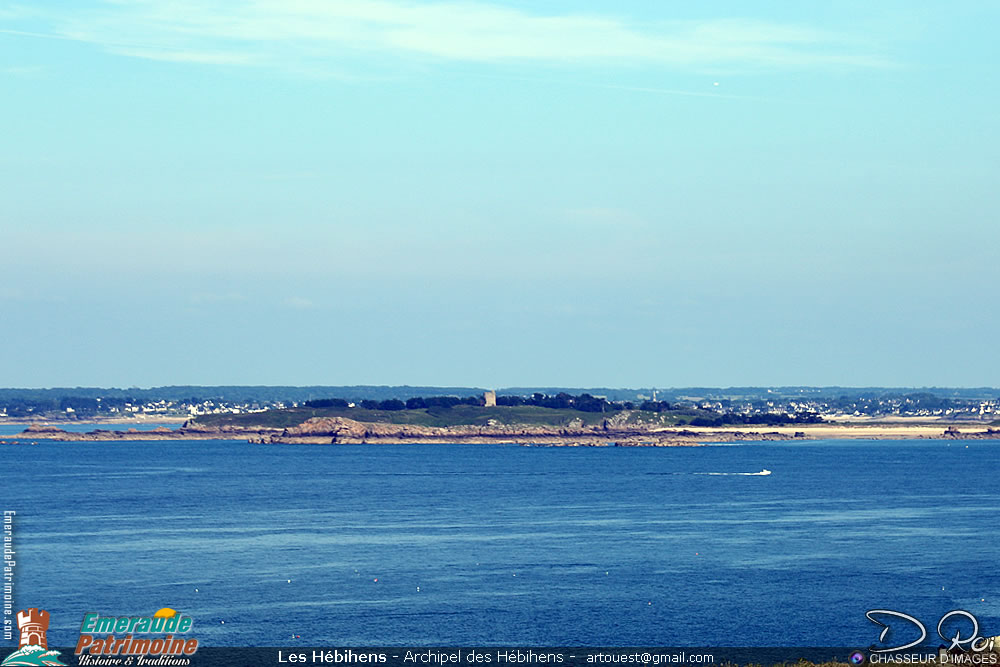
(487,193)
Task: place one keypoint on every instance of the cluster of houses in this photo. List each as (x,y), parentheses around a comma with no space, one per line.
(914,405)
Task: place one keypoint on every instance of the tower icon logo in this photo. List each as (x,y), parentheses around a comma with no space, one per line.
(33,649)
(33,624)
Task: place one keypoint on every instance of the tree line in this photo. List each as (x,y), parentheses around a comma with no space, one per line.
(582,402)
(561,401)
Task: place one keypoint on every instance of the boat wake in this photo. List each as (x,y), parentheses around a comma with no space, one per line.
(763,472)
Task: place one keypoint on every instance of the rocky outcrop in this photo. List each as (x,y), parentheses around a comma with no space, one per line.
(340,430)
(988,434)
(48,432)
(42,430)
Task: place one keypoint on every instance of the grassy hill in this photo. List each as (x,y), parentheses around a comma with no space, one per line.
(454,416)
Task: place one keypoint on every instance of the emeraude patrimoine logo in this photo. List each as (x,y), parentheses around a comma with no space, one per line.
(119,635)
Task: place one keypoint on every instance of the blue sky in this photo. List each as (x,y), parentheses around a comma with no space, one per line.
(498,193)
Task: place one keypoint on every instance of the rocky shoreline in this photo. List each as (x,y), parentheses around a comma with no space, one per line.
(339,430)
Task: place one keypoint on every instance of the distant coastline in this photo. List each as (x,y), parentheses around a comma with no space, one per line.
(131,421)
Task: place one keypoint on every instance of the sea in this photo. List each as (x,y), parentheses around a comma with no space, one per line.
(501,545)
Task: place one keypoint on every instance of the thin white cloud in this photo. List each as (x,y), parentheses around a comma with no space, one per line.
(23,70)
(299,303)
(163,51)
(304,33)
(181,55)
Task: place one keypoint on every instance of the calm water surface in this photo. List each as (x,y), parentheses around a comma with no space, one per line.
(508,545)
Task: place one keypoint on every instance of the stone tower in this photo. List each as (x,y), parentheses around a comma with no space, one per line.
(490,399)
(33,623)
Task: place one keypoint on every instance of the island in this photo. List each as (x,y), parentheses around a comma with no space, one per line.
(567,421)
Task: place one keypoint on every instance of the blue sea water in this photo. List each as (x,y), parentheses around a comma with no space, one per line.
(506,545)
